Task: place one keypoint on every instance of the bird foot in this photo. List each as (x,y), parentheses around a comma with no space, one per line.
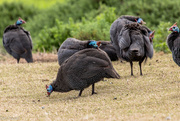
(94,93)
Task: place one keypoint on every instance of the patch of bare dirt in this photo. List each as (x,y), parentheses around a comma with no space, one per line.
(37,57)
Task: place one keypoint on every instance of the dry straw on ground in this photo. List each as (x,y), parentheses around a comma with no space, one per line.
(153,96)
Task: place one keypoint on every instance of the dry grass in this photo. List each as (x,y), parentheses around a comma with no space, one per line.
(153,96)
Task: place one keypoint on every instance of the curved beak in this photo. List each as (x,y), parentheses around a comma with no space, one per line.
(170,29)
(142,22)
(23,21)
(49,93)
(152,34)
(175,24)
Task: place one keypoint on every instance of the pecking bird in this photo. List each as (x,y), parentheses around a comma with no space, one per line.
(82,69)
(71,46)
(134,43)
(173,42)
(17,41)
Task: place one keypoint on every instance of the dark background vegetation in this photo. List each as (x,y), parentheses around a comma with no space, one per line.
(88,19)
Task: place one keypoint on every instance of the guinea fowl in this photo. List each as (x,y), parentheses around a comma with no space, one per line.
(81,70)
(173,42)
(71,46)
(17,41)
(118,24)
(134,43)
(109,49)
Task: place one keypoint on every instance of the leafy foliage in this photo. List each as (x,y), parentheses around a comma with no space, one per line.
(72,8)
(11,11)
(95,23)
(50,39)
(87,19)
(152,11)
(97,29)
(160,37)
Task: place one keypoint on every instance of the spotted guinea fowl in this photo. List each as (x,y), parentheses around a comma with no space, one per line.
(17,41)
(118,24)
(109,49)
(81,70)
(173,42)
(134,43)
(71,46)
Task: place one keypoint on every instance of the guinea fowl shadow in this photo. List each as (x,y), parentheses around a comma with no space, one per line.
(74,95)
(67,98)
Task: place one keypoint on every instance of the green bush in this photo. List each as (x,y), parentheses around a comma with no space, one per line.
(89,19)
(50,39)
(11,11)
(97,29)
(75,9)
(159,41)
(152,11)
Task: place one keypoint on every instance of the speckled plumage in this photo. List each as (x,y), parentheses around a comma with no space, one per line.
(83,69)
(118,24)
(109,49)
(18,43)
(173,42)
(72,45)
(133,44)
(69,47)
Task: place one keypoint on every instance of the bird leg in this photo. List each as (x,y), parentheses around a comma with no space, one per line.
(131,68)
(140,68)
(93,89)
(18,60)
(80,92)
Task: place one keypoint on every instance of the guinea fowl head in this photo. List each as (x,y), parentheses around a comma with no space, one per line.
(174,28)
(20,21)
(49,90)
(151,36)
(93,44)
(140,21)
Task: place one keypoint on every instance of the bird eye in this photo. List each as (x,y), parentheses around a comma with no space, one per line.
(173,27)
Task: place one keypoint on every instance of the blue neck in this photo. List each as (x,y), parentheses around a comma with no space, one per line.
(176,30)
(18,22)
(139,20)
(50,89)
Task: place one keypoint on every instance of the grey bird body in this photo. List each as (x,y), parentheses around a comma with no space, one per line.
(69,47)
(133,44)
(18,43)
(83,69)
(173,42)
(118,24)
(109,49)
